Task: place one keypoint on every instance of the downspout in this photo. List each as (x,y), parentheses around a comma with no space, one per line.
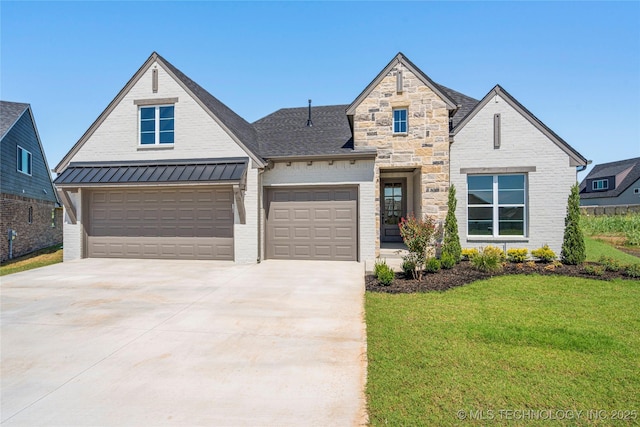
(260,172)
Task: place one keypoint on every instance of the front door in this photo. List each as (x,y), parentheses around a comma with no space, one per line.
(393,207)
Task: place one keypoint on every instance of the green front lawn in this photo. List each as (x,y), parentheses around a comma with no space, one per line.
(508,343)
(41,258)
(596,249)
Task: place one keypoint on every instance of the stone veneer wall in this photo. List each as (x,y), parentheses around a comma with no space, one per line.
(31,236)
(424,146)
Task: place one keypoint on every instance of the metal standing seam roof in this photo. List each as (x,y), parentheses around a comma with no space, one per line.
(186,171)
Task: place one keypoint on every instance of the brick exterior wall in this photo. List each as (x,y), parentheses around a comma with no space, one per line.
(522,145)
(31,236)
(424,147)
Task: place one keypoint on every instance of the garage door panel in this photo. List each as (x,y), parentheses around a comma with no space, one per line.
(302,251)
(302,232)
(344,214)
(312,223)
(320,214)
(161,223)
(344,233)
(322,232)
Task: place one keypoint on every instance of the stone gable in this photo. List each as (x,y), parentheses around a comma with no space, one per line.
(425,146)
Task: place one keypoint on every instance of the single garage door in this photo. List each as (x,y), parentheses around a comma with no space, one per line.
(172,223)
(312,223)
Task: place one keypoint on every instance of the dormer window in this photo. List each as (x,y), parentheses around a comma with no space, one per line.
(400,120)
(600,184)
(157,125)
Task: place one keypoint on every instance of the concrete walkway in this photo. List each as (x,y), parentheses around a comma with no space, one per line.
(148,342)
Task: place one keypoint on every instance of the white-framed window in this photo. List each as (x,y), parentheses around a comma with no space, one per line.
(600,184)
(156,124)
(400,120)
(24,161)
(497,205)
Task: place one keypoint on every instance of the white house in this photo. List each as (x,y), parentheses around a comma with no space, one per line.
(169,171)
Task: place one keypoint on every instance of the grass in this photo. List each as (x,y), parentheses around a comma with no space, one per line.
(41,258)
(508,343)
(596,249)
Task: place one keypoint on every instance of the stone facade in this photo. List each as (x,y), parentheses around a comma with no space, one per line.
(424,147)
(33,235)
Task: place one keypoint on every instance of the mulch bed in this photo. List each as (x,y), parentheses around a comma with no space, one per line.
(463,273)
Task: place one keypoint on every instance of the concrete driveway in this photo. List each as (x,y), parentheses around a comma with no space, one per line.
(149,342)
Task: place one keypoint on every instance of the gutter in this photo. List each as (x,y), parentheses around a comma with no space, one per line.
(360,155)
(583,167)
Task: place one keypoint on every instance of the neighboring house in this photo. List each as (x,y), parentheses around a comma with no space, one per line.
(615,183)
(28,202)
(168,171)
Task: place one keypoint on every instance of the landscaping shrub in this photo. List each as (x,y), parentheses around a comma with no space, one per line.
(379,265)
(544,254)
(418,236)
(447,261)
(489,260)
(383,272)
(573,248)
(594,270)
(517,255)
(451,241)
(469,253)
(432,265)
(408,266)
(385,275)
(632,270)
(609,263)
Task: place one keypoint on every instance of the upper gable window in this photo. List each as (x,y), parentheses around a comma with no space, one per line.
(24,161)
(400,120)
(600,184)
(157,125)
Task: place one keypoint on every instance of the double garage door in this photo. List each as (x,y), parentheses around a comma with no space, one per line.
(171,223)
(312,223)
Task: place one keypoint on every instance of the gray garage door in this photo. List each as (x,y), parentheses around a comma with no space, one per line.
(312,223)
(172,223)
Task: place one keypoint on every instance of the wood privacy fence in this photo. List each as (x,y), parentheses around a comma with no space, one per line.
(610,210)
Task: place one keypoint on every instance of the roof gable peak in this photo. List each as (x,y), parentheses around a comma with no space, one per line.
(237,128)
(498,90)
(400,58)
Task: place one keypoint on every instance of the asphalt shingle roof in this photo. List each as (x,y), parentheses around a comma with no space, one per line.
(612,169)
(466,103)
(10,112)
(285,132)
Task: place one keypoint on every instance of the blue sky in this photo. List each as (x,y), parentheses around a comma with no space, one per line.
(576,66)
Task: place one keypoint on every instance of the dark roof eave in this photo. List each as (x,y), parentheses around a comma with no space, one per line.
(359,155)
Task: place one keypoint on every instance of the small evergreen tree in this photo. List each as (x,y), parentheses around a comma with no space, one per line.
(573,249)
(451,241)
